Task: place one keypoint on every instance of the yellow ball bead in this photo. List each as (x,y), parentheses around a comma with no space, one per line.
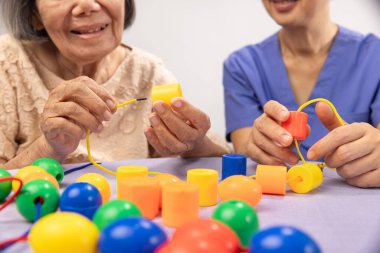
(23,173)
(62,233)
(100,182)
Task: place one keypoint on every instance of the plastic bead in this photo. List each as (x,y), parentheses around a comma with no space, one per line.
(62,233)
(207,181)
(272,179)
(51,166)
(240,188)
(5,187)
(305,177)
(125,172)
(100,182)
(283,239)
(190,246)
(23,172)
(166,92)
(296,125)
(233,164)
(164,179)
(37,190)
(240,217)
(180,203)
(145,192)
(40,175)
(82,198)
(114,210)
(132,235)
(209,230)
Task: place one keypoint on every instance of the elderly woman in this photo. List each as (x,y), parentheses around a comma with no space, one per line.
(309,57)
(64,70)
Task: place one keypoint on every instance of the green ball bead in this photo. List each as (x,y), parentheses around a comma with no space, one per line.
(115,210)
(33,191)
(240,217)
(52,166)
(5,187)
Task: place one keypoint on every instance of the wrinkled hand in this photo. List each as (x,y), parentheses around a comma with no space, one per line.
(269,142)
(73,107)
(353,149)
(177,130)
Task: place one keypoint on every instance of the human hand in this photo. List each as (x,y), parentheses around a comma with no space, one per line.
(73,107)
(269,142)
(179,130)
(353,149)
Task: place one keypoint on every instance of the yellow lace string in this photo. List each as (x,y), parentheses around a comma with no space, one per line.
(88,142)
(341,121)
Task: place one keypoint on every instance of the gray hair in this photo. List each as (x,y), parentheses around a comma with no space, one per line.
(18,16)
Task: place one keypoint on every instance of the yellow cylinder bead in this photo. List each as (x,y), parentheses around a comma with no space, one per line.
(304,178)
(62,233)
(23,172)
(207,181)
(272,179)
(180,203)
(142,191)
(166,92)
(100,182)
(40,175)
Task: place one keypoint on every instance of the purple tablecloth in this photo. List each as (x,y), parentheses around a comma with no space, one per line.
(341,218)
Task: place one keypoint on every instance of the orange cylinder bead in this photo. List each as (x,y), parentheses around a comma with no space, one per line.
(272,179)
(143,192)
(164,179)
(179,204)
(240,187)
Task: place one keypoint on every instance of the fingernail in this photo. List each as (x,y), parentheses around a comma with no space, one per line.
(148,134)
(110,104)
(154,121)
(286,138)
(107,115)
(284,114)
(177,103)
(293,159)
(100,128)
(158,107)
(311,155)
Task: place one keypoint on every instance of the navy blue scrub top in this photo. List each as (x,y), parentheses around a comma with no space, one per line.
(350,79)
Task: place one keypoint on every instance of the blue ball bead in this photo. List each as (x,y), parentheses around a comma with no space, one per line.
(82,198)
(283,239)
(132,235)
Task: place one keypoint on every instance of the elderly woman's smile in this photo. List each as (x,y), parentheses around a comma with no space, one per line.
(89,29)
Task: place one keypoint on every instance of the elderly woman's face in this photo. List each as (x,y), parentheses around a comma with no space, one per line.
(83,30)
(294,12)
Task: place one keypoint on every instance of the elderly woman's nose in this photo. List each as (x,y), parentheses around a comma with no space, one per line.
(86,7)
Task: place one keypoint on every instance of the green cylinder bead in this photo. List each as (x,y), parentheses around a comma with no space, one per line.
(51,166)
(5,187)
(115,210)
(34,191)
(240,217)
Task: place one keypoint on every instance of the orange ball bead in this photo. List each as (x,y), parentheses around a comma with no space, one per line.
(242,188)
(41,175)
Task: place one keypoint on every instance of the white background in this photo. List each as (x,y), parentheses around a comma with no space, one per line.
(193,37)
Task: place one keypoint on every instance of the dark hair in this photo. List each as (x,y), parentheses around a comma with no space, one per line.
(18,16)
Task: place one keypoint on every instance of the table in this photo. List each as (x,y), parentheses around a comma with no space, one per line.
(341,218)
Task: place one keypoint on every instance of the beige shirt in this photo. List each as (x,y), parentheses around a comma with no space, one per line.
(25,84)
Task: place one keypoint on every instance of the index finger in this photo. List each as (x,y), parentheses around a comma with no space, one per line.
(336,138)
(276,111)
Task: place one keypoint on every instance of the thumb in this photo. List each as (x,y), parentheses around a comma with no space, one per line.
(326,116)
